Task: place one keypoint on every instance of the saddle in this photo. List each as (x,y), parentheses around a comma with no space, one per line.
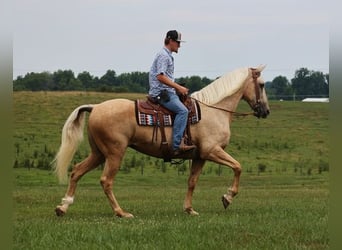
(150,113)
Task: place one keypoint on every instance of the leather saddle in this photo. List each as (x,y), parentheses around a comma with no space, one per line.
(150,113)
(149,106)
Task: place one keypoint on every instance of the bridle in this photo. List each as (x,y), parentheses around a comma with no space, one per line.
(256,106)
(255,76)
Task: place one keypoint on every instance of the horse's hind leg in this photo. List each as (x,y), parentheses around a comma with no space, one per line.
(80,169)
(111,168)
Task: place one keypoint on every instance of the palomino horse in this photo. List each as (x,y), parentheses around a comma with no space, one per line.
(112,127)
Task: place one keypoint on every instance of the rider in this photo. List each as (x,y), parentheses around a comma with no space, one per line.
(164,89)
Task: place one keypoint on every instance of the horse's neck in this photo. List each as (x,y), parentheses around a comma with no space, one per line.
(230,102)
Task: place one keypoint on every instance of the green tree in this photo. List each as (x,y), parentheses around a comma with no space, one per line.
(194,83)
(132,82)
(308,83)
(281,88)
(19,84)
(63,80)
(109,79)
(320,83)
(34,82)
(305,83)
(86,79)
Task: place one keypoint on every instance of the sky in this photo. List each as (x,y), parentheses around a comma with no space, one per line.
(125,35)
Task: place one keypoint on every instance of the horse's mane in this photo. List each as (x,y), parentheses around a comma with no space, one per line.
(226,85)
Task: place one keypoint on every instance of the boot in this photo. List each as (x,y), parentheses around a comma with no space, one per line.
(183,148)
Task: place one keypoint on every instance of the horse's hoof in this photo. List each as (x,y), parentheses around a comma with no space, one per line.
(191,211)
(59,211)
(128,215)
(125,215)
(225,201)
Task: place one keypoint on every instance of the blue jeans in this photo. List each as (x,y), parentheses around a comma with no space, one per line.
(181,117)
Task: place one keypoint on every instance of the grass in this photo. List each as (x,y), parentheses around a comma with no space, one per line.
(293,138)
(271,212)
(282,204)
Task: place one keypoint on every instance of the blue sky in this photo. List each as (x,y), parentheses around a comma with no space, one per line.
(125,35)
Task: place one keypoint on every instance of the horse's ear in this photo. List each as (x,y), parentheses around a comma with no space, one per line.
(261,67)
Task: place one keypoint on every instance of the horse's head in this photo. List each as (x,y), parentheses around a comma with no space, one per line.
(255,93)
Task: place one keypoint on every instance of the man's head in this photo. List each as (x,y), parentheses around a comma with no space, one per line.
(173,40)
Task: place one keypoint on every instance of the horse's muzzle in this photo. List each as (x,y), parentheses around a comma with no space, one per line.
(261,111)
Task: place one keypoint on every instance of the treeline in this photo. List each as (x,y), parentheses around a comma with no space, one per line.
(306,83)
(65,80)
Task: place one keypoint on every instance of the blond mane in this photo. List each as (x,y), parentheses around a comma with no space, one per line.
(222,87)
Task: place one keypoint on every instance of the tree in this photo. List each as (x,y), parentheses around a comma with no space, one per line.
(301,81)
(86,79)
(109,79)
(133,82)
(305,83)
(281,88)
(63,80)
(320,84)
(34,82)
(194,83)
(310,83)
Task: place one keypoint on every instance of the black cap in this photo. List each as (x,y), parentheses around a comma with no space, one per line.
(174,35)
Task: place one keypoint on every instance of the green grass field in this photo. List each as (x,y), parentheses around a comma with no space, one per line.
(271,212)
(282,203)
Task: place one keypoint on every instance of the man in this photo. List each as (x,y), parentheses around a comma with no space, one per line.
(164,89)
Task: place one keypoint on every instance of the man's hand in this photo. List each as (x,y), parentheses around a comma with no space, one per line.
(182,90)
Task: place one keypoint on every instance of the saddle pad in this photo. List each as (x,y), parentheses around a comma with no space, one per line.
(150,117)
(151,120)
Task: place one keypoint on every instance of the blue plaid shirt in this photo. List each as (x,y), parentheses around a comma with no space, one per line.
(162,64)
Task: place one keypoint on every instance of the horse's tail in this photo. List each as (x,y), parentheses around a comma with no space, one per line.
(72,135)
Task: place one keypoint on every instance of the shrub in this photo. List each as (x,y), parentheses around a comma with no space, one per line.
(261,168)
(323,166)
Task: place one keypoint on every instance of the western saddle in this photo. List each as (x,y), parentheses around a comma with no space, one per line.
(151,113)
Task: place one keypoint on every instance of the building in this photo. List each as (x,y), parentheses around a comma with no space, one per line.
(315,100)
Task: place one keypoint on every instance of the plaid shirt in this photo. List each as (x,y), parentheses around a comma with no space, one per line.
(162,64)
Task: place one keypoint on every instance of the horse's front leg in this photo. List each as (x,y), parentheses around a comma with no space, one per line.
(195,172)
(219,156)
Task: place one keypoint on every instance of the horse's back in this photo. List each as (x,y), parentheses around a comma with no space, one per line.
(114,106)
(113,114)
(115,102)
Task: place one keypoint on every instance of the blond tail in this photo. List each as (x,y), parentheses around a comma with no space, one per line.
(72,135)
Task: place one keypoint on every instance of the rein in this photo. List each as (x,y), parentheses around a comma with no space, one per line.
(223,109)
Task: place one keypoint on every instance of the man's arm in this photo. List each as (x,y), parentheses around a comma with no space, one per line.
(179,88)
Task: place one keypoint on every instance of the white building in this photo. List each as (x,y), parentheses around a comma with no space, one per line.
(315,100)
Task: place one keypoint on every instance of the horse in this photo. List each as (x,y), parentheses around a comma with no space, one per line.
(112,128)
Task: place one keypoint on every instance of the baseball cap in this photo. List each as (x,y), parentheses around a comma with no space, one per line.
(174,35)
